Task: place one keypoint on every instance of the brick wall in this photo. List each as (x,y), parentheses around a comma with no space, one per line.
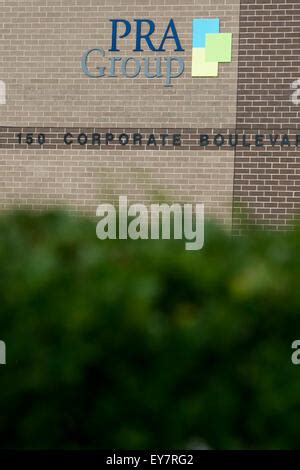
(41,45)
(267,180)
(40,49)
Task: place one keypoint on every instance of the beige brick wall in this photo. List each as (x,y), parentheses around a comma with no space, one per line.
(40,49)
(83,179)
(41,45)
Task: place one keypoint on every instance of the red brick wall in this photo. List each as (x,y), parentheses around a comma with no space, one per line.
(267,180)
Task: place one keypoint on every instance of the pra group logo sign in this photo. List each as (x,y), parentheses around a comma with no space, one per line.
(209,48)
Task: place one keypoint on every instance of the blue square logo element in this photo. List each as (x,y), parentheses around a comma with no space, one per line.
(202,26)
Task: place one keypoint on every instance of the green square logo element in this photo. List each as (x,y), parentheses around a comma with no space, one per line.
(218,47)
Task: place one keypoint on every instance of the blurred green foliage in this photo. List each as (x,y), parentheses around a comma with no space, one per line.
(131,344)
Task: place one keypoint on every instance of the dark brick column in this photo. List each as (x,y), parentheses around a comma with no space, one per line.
(267,180)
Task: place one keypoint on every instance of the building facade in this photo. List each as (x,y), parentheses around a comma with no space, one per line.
(147,128)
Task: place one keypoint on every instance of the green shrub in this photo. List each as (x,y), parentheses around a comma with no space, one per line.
(130,344)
